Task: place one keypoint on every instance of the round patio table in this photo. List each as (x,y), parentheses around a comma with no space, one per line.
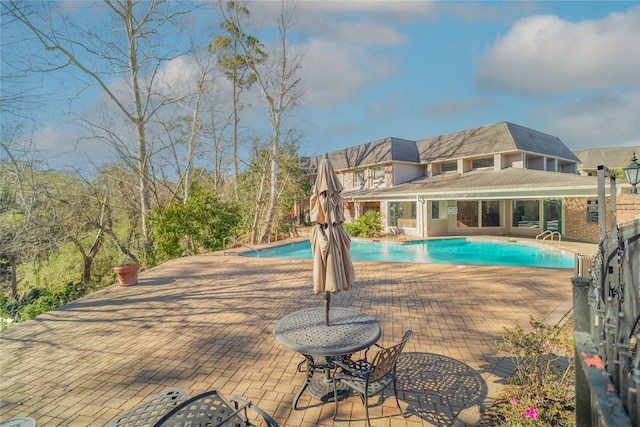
(305,332)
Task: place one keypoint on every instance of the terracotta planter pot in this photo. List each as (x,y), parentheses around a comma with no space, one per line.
(128,274)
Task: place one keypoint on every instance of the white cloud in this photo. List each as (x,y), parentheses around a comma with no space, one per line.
(67,144)
(334,72)
(603,120)
(355,21)
(544,55)
(173,79)
(485,11)
(313,12)
(64,148)
(176,77)
(347,42)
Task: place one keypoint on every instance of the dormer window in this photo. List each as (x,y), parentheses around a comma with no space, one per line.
(449,167)
(482,163)
(378,176)
(358,178)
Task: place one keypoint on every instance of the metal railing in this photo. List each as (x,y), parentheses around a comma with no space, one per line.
(583,265)
(224,245)
(548,234)
(606,303)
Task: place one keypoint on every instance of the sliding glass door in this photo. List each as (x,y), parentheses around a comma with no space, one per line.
(553,215)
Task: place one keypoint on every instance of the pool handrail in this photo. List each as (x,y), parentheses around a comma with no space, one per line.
(549,234)
(224,245)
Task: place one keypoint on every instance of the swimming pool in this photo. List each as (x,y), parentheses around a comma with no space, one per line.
(440,251)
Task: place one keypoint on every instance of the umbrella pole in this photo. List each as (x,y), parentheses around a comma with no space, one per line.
(327,302)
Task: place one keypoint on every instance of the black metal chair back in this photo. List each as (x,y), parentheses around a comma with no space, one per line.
(369,378)
(212,409)
(386,359)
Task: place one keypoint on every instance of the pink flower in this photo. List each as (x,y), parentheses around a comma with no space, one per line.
(547,346)
(514,402)
(531,414)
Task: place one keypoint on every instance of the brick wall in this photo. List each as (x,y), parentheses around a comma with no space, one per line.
(627,208)
(575,216)
(575,220)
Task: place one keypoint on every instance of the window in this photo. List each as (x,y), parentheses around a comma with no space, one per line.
(378,175)
(482,163)
(370,206)
(402,214)
(491,214)
(358,178)
(526,213)
(449,167)
(468,214)
(552,214)
(438,209)
(485,213)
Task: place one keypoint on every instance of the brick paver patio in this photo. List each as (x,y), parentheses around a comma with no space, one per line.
(206,322)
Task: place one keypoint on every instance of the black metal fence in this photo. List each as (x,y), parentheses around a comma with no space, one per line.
(606,306)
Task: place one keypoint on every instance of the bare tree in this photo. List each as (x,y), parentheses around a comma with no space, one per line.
(215,130)
(17,202)
(128,48)
(259,198)
(277,82)
(187,130)
(236,69)
(41,210)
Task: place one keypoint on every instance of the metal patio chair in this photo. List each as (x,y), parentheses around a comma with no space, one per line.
(147,413)
(369,377)
(175,408)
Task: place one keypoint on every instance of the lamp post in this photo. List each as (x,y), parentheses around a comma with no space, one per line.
(632,173)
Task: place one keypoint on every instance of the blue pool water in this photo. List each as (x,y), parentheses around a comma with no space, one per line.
(441,251)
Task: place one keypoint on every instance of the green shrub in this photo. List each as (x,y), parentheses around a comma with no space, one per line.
(541,390)
(367,225)
(204,218)
(40,300)
(4,312)
(352,229)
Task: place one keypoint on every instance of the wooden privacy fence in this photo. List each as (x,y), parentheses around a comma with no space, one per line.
(606,306)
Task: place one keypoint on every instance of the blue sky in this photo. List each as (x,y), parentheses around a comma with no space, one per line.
(571,69)
(417,69)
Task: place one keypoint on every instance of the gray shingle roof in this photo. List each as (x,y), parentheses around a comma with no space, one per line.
(501,137)
(537,142)
(377,152)
(618,157)
(496,138)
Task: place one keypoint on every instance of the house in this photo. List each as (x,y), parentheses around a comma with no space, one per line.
(500,179)
(614,158)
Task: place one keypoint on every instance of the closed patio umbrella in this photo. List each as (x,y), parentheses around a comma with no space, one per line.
(332,267)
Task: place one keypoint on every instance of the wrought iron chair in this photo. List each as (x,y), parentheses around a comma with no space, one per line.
(175,408)
(369,377)
(146,413)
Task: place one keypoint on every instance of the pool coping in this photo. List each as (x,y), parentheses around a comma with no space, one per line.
(566,246)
